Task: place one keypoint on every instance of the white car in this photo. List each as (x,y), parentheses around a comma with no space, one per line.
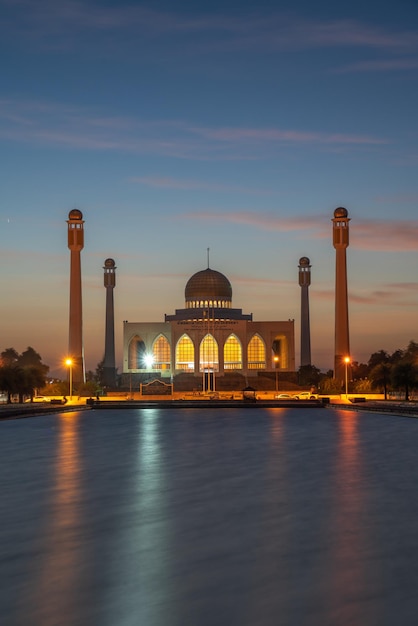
(285,396)
(306,395)
(38,399)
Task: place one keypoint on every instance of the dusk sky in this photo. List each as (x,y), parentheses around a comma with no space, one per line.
(239,127)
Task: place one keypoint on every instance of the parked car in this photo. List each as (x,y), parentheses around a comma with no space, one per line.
(285,396)
(38,399)
(306,395)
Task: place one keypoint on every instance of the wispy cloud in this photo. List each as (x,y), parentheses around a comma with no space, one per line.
(253,30)
(377,235)
(388,295)
(168,182)
(243,135)
(66,126)
(385,235)
(382,65)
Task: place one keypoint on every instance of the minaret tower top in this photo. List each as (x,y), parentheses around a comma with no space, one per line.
(109,275)
(340,228)
(75,230)
(304,271)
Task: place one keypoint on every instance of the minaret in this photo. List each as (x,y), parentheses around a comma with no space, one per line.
(305,332)
(109,369)
(342,342)
(75,344)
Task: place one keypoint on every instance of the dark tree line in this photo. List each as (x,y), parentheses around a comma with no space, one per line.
(21,374)
(382,373)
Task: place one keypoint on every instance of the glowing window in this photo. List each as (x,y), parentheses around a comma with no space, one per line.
(161,354)
(232,353)
(185,354)
(256,354)
(208,354)
(136,353)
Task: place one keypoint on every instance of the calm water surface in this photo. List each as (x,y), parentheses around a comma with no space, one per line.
(209,518)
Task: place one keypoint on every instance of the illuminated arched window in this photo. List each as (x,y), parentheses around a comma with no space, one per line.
(232,353)
(185,354)
(256,353)
(208,354)
(136,353)
(161,354)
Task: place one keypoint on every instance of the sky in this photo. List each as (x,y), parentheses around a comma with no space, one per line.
(180,126)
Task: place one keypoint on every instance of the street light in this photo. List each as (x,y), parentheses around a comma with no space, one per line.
(346,361)
(69,363)
(276,364)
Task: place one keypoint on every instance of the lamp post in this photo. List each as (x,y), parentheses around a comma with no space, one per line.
(69,363)
(276,365)
(346,361)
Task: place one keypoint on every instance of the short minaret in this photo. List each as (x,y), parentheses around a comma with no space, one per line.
(109,369)
(305,332)
(75,344)
(342,342)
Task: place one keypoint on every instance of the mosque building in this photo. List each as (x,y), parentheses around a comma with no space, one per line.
(208,340)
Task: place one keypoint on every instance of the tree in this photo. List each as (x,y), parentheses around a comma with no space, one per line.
(381,375)
(411,352)
(330,385)
(309,375)
(9,357)
(405,375)
(377,357)
(9,380)
(21,373)
(359,371)
(361,385)
(100,372)
(31,358)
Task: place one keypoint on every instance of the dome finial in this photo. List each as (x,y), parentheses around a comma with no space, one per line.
(208,256)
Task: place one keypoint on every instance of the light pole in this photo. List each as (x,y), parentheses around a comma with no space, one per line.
(69,362)
(276,365)
(346,361)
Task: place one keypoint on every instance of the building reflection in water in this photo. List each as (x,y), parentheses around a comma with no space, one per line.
(349,576)
(138,568)
(54,588)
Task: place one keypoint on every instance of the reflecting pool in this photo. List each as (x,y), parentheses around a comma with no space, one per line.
(252,517)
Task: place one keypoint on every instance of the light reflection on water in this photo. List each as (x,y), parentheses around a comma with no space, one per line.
(246,517)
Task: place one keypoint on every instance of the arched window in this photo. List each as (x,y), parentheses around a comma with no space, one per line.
(161,354)
(136,353)
(208,354)
(256,353)
(185,354)
(232,353)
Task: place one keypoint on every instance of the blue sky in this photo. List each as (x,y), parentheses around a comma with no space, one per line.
(239,127)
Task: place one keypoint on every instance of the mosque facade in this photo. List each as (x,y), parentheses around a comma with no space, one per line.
(207,339)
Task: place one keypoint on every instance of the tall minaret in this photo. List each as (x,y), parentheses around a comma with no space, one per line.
(305,332)
(109,369)
(75,344)
(342,342)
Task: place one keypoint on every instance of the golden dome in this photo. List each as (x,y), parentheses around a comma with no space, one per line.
(208,284)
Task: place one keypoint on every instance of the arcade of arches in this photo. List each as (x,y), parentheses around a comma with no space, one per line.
(208,335)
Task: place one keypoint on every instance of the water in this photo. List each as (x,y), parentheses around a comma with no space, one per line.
(252,517)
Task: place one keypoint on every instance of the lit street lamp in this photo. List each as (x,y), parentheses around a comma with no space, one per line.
(276,365)
(346,361)
(69,363)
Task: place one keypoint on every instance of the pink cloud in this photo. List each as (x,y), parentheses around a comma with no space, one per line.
(279,135)
(378,235)
(77,128)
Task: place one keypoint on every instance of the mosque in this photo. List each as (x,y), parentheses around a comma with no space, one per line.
(208,341)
